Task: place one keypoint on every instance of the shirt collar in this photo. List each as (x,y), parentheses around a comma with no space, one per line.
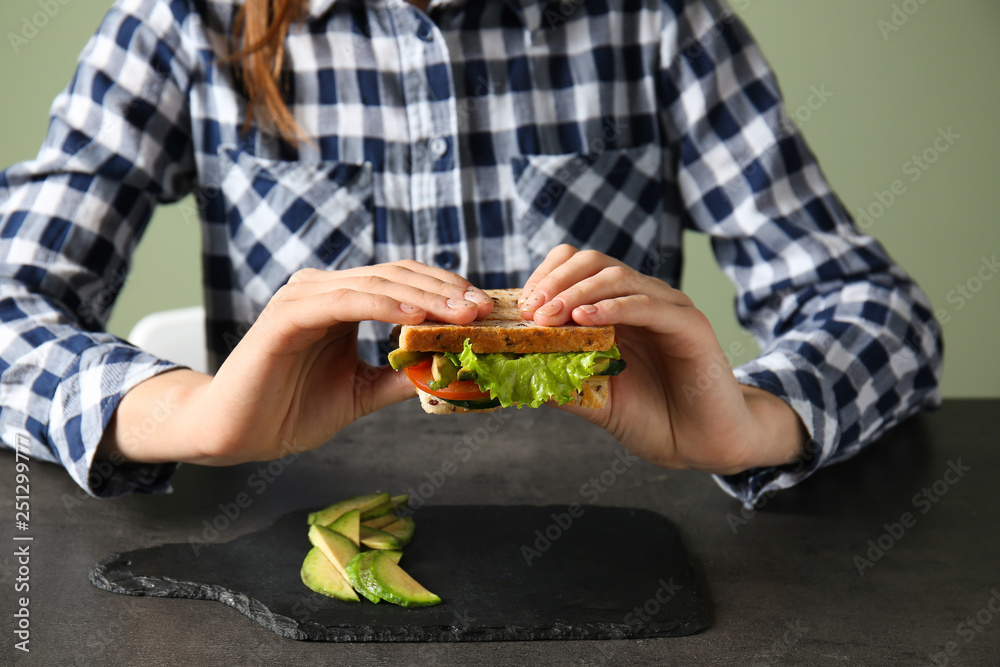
(319,7)
(532,13)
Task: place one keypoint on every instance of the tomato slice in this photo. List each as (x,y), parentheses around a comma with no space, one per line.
(420,376)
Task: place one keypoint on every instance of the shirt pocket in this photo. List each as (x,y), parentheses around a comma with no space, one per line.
(285,216)
(610,201)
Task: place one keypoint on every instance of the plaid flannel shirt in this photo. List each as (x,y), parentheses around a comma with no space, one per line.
(474,137)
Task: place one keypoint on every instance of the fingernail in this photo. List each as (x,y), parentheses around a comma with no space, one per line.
(409,308)
(533,301)
(590,310)
(551,308)
(477,297)
(459,304)
(526,292)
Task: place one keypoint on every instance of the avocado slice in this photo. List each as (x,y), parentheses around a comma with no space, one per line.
(384,508)
(391,583)
(443,371)
(381,522)
(328,515)
(348,525)
(400,359)
(373,538)
(319,574)
(402,530)
(609,366)
(394,555)
(337,548)
(379,510)
(354,569)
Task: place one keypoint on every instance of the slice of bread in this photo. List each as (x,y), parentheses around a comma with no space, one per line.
(505,331)
(435,406)
(593,394)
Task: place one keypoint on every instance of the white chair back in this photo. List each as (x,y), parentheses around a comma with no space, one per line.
(175,335)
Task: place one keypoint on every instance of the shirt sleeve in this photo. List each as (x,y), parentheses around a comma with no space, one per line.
(847,339)
(118,143)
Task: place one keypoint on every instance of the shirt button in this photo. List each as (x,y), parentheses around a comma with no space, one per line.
(425,32)
(446,259)
(438,146)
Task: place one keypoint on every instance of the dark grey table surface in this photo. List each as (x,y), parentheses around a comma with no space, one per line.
(784,582)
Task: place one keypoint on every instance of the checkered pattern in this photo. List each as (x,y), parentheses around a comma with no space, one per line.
(475,138)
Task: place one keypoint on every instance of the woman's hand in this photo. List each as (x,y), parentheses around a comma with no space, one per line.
(678,403)
(295,378)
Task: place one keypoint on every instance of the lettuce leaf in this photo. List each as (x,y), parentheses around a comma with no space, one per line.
(531,379)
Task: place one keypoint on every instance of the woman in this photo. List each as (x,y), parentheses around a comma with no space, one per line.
(380,162)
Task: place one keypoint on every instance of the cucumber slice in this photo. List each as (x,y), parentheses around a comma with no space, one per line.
(328,515)
(478,404)
(354,570)
(402,530)
(393,584)
(374,538)
(319,574)
(348,525)
(338,549)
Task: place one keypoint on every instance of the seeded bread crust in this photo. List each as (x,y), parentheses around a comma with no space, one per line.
(593,394)
(505,331)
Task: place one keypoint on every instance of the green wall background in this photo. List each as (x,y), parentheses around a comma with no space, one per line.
(891,80)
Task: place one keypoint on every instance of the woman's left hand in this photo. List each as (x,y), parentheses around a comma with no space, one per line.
(678,403)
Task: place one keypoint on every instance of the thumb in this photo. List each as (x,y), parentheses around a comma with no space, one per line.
(385,388)
(597,416)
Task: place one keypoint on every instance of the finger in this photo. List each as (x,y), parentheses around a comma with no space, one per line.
(399,304)
(454,309)
(580,266)
(613,281)
(319,275)
(558,255)
(388,387)
(446,283)
(686,328)
(441,274)
(325,309)
(407,272)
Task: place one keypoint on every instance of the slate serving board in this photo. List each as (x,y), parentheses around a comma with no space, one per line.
(613,573)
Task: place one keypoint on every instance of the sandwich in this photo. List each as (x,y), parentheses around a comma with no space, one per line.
(506,361)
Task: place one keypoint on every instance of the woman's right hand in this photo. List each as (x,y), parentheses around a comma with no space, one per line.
(295,378)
